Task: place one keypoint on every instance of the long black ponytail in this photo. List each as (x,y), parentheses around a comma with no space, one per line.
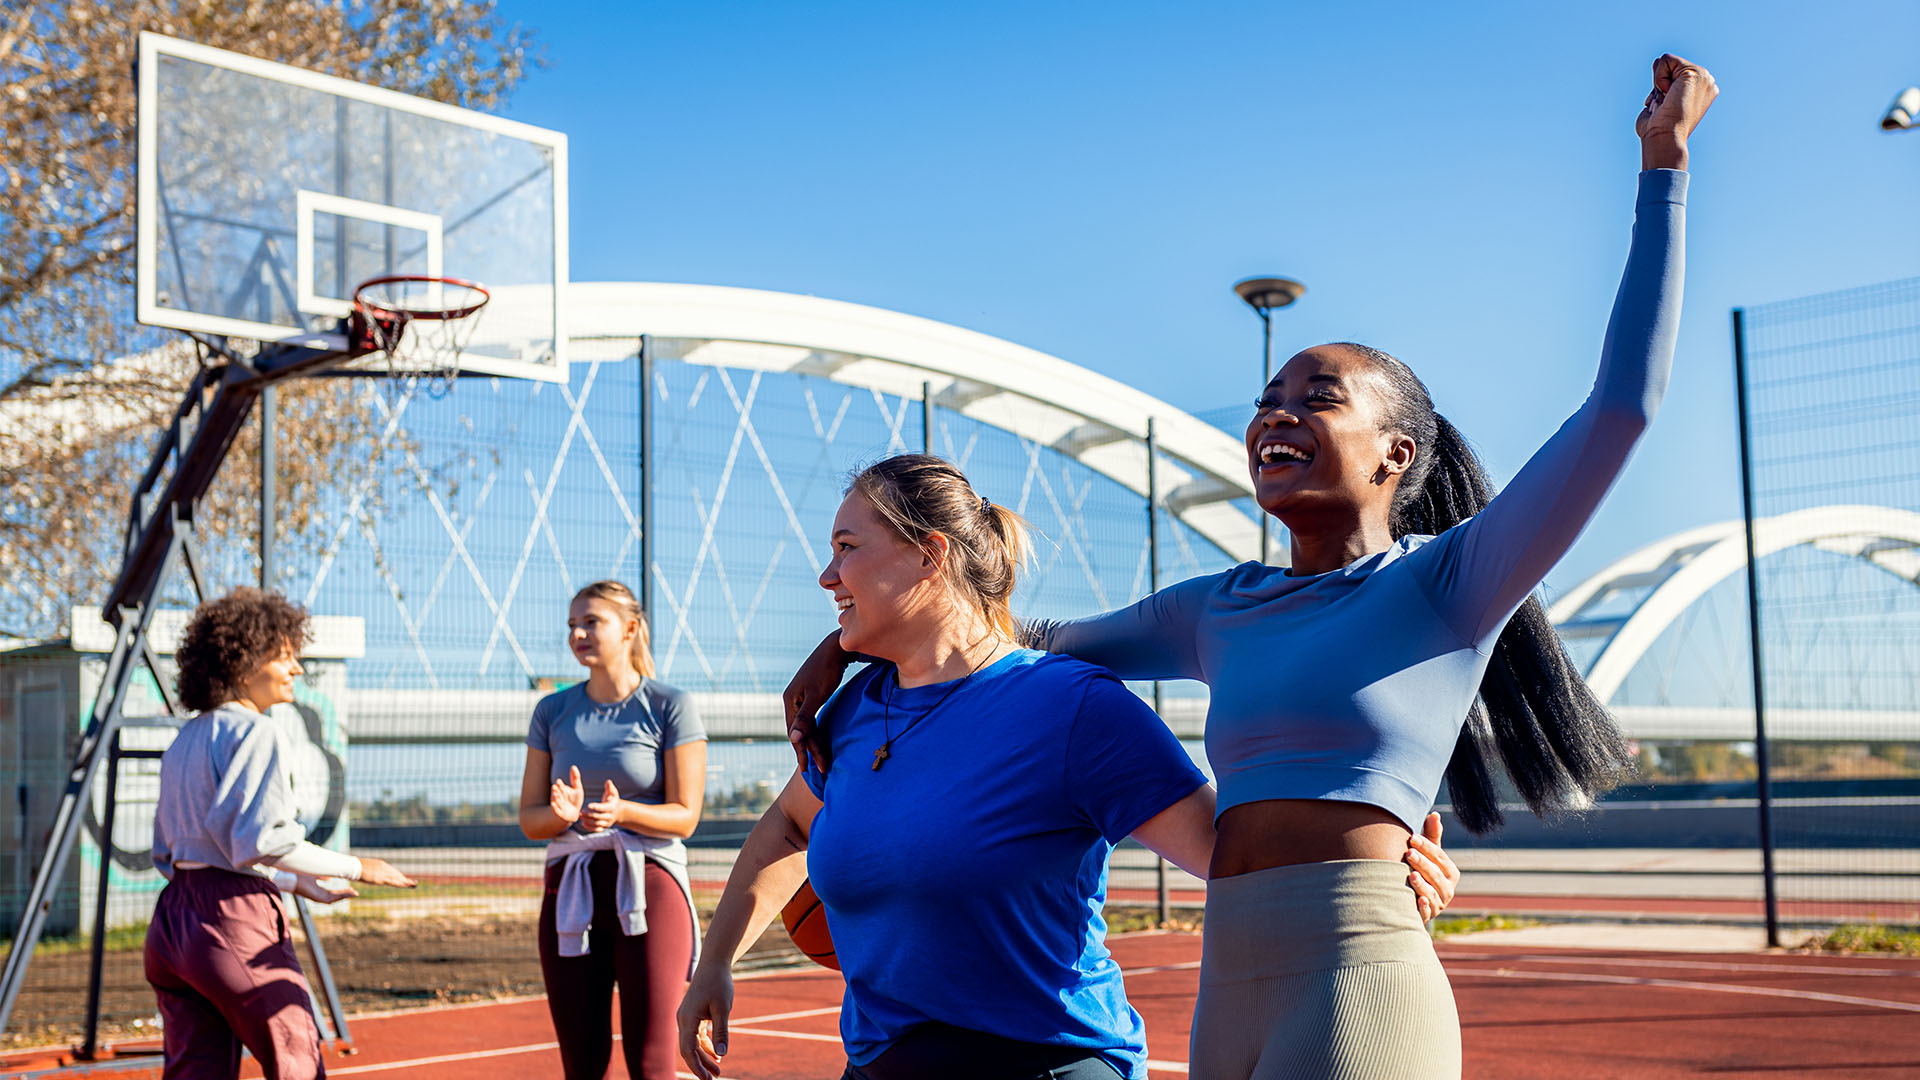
(1535,711)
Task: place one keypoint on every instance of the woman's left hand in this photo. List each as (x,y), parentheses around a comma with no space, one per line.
(1434,876)
(324,890)
(603,815)
(1682,91)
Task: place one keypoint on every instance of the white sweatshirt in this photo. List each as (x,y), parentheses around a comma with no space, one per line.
(225,802)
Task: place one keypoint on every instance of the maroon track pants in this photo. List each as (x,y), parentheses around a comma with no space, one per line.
(222,964)
(651,969)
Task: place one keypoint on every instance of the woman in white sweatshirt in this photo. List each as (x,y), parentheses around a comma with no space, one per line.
(218,953)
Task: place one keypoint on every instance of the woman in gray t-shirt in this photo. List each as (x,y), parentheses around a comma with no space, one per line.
(616,768)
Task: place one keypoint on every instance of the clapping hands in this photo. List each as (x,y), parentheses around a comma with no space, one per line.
(605,814)
(565,797)
(568,801)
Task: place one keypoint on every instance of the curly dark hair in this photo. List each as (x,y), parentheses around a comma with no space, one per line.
(228,639)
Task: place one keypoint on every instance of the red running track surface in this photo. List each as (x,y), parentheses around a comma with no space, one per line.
(1525,1013)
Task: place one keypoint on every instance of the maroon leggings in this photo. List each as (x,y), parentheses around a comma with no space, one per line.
(222,964)
(651,969)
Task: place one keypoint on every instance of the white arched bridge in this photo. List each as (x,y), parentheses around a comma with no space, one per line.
(1612,619)
(1092,419)
(1616,616)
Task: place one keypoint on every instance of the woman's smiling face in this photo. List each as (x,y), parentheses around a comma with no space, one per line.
(271,683)
(1316,443)
(877,578)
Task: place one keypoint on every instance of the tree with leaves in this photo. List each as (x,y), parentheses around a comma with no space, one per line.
(84,390)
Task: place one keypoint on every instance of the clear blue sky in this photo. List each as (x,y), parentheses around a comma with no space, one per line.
(1088,179)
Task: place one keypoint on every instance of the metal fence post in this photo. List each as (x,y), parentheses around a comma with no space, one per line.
(1153,585)
(645,592)
(1761,756)
(926,418)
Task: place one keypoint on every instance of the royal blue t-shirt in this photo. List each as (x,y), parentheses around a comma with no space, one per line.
(964,880)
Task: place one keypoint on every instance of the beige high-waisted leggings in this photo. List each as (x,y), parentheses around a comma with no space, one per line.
(1321,971)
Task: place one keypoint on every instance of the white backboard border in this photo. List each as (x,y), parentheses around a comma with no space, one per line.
(148,309)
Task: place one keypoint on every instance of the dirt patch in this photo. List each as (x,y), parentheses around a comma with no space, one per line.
(378,965)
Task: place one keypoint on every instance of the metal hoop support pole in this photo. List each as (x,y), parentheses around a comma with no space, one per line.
(269,480)
(158,538)
(97,955)
(324,973)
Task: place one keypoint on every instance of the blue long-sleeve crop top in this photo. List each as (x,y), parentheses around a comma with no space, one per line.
(1353,685)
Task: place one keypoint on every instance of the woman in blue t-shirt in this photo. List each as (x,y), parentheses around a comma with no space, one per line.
(961,850)
(616,767)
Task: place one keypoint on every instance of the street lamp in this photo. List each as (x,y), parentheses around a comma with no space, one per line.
(1263,295)
(1901,114)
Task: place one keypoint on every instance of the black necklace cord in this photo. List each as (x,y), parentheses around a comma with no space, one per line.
(885,750)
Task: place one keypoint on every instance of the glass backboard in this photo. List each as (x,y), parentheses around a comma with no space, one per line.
(267,193)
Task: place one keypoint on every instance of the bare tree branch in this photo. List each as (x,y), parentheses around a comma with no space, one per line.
(83,389)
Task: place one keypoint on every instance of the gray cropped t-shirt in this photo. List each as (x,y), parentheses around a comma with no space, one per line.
(623,741)
(1353,685)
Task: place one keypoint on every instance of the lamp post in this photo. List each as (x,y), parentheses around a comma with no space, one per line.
(1263,295)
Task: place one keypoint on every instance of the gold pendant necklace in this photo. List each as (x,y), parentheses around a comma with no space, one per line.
(885,749)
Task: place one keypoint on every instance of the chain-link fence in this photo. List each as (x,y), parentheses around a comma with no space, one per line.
(1663,635)
(1831,387)
(454,558)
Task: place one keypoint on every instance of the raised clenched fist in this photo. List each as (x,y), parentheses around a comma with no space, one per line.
(1682,91)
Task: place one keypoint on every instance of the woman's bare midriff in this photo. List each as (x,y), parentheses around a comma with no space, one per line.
(1286,832)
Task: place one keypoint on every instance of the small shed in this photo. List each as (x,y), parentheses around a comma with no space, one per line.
(47,691)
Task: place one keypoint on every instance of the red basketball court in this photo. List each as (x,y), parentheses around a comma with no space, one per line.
(1526,1013)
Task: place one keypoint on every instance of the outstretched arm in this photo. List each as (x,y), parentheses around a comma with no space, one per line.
(1493,561)
(1153,639)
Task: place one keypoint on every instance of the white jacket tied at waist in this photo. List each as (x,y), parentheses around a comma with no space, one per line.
(573,902)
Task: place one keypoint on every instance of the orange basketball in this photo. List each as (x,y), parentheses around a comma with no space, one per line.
(806,921)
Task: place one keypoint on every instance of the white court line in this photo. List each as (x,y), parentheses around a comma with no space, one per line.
(1187,966)
(827,1011)
(440,1059)
(481,1003)
(1152,1063)
(1680,984)
(803,1035)
(732,1029)
(1697,965)
(470,1055)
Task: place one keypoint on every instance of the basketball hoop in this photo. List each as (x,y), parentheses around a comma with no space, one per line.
(421,323)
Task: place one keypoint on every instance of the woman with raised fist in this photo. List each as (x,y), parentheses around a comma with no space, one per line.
(1400,646)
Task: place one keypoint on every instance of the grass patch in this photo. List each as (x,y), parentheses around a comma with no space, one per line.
(1449,925)
(451,889)
(119,939)
(1130,918)
(1866,938)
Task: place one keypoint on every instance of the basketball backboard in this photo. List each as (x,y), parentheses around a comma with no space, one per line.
(267,193)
